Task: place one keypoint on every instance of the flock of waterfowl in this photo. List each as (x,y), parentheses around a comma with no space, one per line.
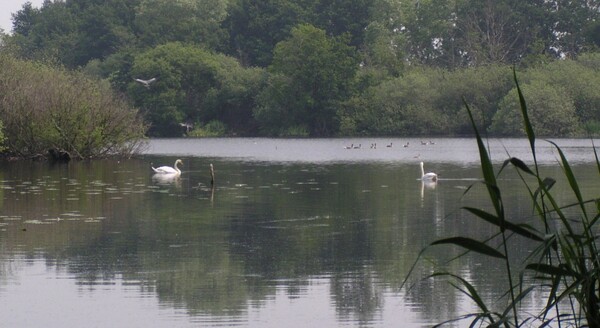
(429,176)
(390,145)
(168,173)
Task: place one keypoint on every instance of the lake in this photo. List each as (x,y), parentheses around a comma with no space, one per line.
(294,233)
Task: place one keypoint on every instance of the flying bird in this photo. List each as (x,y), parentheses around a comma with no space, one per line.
(146,83)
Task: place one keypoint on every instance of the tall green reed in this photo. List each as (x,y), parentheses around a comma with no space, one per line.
(565,262)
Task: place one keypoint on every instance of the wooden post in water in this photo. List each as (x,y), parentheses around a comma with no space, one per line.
(212,175)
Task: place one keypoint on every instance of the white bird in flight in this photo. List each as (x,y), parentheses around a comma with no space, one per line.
(146,83)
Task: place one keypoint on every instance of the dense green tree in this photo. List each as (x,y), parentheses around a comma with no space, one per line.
(328,61)
(575,26)
(498,31)
(74,32)
(427,26)
(579,78)
(49,33)
(481,87)
(312,74)
(193,86)
(381,58)
(551,111)
(24,19)
(339,17)
(256,26)
(103,29)
(190,21)
(402,106)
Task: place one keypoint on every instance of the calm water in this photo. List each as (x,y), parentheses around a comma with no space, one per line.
(296,233)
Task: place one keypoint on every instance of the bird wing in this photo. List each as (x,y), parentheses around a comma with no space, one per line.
(146,82)
(164,170)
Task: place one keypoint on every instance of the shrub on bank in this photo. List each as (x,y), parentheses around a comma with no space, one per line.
(2,138)
(48,110)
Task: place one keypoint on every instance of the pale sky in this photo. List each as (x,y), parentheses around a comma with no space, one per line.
(8,7)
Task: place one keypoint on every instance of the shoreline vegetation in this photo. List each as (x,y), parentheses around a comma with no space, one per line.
(563,265)
(324,69)
(62,115)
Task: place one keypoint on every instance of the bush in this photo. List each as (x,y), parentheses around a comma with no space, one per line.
(48,109)
(2,138)
(211,129)
(551,110)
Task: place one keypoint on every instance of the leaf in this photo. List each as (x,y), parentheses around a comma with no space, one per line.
(546,185)
(486,167)
(471,292)
(550,269)
(571,177)
(519,298)
(520,165)
(507,224)
(471,244)
(526,121)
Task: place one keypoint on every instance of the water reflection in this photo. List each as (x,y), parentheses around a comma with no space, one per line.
(167,179)
(269,245)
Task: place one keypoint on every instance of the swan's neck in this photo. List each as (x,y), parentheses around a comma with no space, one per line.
(422,170)
(177,168)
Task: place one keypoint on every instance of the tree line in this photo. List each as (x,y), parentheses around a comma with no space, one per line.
(328,68)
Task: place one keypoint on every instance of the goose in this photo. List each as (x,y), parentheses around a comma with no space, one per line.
(430,176)
(390,145)
(406,144)
(146,83)
(169,170)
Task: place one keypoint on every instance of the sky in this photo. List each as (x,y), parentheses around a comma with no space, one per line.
(8,7)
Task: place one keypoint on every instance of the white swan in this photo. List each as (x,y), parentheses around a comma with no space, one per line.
(430,176)
(167,179)
(169,170)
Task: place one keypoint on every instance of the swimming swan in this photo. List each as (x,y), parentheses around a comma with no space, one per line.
(430,176)
(169,170)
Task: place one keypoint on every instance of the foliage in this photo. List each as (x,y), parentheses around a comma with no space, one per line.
(2,138)
(565,262)
(403,106)
(311,75)
(314,66)
(579,78)
(193,85)
(189,21)
(211,129)
(48,109)
(551,111)
(255,27)
(426,101)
